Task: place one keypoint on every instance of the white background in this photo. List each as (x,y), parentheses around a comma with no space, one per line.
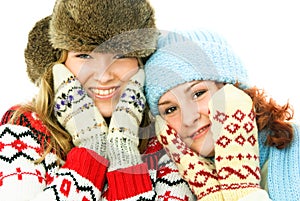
(264,33)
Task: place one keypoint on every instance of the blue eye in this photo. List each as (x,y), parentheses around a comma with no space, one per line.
(120,56)
(84,56)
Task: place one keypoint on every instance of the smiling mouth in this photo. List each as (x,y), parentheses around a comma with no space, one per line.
(201,132)
(104,93)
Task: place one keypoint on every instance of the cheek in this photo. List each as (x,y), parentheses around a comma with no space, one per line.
(175,123)
(83,74)
(74,67)
(124,73)
(124,69)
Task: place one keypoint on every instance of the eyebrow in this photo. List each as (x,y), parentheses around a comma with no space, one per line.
(163,103)
(186,90)
(192,85)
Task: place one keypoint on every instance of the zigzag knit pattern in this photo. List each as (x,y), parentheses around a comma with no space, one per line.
(82,177)
(20,146)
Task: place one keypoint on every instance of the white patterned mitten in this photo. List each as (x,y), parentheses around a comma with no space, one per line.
(123,136)
(236,147)
(197,171)
(76,112)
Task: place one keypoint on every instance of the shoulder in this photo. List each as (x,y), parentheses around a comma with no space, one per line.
(295,145)
(153,153)
(153,146)
(29,120)
(285,163)
(156,157)
(296,131)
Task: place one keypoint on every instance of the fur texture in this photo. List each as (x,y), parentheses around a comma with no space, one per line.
(114,26)
(39,53)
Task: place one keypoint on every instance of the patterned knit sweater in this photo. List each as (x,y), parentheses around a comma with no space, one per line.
(83,176)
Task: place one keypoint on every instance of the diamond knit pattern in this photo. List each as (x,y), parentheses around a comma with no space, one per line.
(198,172)
(236,146)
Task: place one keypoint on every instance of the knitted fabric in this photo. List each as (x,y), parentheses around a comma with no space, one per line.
(236,148)
(123,137)
(76,111)
(168,184)
(23,143)
(83,173)
(283,177)
(199,172)
(186,56)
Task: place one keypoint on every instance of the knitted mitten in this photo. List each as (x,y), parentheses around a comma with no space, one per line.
(123,137)
(236,147)
(76,112)
(199,172)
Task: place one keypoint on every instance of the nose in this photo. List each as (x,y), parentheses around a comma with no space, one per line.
(103,73)
(190,113)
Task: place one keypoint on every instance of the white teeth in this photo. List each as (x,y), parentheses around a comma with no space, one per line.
(200,131)
(102,92)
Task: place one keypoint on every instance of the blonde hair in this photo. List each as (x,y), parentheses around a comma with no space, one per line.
(43,105)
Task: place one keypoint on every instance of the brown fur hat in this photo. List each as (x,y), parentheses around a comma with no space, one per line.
(39,53)
(107,26)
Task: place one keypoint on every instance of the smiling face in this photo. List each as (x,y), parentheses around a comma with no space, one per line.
(103,76)
(185,108)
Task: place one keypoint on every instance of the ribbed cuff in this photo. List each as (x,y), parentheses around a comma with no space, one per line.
(260,194)
(123,153)
(88,164)
(238,193)
(215,196)
(128,182)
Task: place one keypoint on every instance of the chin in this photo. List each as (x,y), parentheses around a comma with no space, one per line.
(207,152)
(105,110)
(211,154)
(106,114)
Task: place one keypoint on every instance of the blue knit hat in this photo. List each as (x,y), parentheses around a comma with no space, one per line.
(190,55)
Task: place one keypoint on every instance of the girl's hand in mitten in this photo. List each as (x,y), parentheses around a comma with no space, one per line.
(76,112)
(199,172)
(123,136)
(236,147)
